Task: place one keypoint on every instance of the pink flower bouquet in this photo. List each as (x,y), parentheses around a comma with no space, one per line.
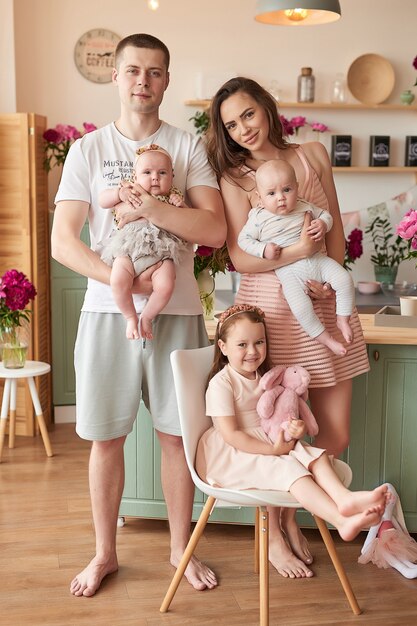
(15,293)
(58,141)
(353,248)
(407,230)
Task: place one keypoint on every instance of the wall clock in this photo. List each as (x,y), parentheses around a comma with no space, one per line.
(94,54)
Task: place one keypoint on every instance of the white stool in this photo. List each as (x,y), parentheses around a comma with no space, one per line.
(31,369)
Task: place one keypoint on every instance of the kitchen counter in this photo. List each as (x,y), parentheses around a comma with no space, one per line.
(367,306)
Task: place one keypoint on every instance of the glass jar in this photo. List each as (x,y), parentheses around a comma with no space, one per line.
(339,89)
(305,85)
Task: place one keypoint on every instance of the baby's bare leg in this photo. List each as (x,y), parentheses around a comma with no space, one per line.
(343,325)
(163,281)
(121,280)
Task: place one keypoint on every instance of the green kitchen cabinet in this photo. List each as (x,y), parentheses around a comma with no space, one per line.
(383,446)
(142,495)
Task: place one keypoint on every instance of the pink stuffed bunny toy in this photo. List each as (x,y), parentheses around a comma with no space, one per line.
(284,398)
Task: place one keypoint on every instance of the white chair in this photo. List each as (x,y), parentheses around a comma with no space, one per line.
(191,369)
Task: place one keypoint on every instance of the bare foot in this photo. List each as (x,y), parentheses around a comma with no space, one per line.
(285,562)
(343,325)
(357,501)
(145,327)
(298,543)
(199,575)
(132,328)
(335,346)
(351,526)
(89,580)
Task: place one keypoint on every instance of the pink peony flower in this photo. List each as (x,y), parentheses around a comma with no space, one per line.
(15,292)
(53,136)
(287,127)
(298,122)
(318,127)
(204,251)
(88,127)
(407,228)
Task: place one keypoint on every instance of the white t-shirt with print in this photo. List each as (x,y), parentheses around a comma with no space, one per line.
(98,161)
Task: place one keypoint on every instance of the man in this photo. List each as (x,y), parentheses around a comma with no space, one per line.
(113,372)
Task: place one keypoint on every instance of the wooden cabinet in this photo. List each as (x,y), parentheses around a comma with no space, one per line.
(25,242)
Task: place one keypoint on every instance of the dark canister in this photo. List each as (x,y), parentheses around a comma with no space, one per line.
(410,151)
(341,150)
(379,150)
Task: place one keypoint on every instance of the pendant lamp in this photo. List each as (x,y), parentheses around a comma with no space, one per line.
(297,12)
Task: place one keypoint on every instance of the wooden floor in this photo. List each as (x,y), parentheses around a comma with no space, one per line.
(46,535)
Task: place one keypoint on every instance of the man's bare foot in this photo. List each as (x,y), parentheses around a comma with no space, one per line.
(285,562)
(358,501)
(351,526)
(145,327)
(132,328)
(343,325)
(89,580)
(298,543)
(199,575)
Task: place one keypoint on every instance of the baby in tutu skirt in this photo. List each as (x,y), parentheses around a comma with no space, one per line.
(140,244)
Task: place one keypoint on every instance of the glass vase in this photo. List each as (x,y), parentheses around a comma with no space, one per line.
(14,346)
(206,286)
(386,273)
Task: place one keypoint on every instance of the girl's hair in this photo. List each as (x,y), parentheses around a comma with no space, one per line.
(227,320)
(224,154)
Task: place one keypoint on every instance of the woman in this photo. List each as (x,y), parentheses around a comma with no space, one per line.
(245,131)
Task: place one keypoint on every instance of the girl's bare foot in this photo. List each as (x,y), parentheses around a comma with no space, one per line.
(199,575)
(286,562)
(132,328)
(87,582)
(357,501)
(351,526)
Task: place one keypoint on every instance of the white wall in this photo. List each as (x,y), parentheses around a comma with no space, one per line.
(218,38)
(7,66)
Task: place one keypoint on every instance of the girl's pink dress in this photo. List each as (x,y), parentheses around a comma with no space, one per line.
(221,465)
(288,343)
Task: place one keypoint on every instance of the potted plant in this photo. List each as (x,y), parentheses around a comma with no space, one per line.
(388,251)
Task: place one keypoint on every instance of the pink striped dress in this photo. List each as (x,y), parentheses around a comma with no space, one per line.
(288,343)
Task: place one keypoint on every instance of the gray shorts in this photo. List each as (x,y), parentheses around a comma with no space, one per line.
(113,373)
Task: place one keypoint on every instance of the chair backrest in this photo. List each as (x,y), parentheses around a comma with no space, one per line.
(191,369)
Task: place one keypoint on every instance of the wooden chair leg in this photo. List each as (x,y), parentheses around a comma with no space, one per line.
(340,570)
(256,549)
(188,553)
(4,412)
(264,568)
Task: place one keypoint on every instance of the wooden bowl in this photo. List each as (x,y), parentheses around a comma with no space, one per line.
(371,78)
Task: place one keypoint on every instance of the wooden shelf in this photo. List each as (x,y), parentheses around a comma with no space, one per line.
(204,104)
(378,170)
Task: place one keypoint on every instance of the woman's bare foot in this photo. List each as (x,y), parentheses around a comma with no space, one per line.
(132,328)
(87,582)
(358,501)
(298,543)
(199,575)
(285,562)
(352,525)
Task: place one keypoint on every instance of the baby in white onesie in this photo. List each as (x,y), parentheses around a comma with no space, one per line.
(277,224)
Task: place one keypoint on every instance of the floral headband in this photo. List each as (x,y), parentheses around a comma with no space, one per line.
(236,309)
(152,147)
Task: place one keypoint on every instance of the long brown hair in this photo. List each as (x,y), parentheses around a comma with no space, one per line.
(227,320)
(224,154)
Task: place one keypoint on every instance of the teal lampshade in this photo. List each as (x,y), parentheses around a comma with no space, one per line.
(297,12)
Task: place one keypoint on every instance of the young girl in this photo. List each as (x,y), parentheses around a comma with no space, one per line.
(237,454)
(276,224)
(140,244)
